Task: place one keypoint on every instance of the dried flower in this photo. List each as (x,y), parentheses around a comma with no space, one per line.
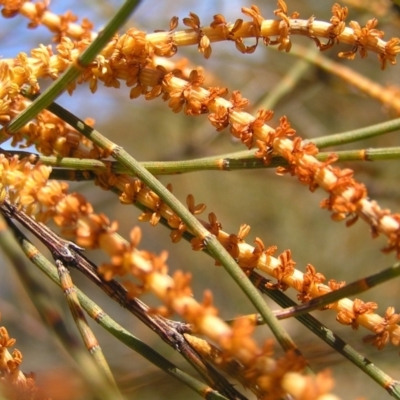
(284,270)
(349,317)
(336,28)
(364,37)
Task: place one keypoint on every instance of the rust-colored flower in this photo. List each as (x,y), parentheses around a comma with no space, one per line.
(154,214)
(215,225)
(219,119)
(385,330)
(219,22)
(311,278)
(349,317)
(131,192)
(233,242)
(245,132)
(337,26)
(238,101)
(192,207)
(366,36)
(392,48)
(285,269)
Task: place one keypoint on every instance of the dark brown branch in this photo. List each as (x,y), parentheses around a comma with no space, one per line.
(170,331)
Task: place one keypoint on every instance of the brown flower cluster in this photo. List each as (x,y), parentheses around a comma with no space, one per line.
(245,132)
(127,56)
(311,279)
(185,97)
(259,371)
(28,186)
(38,13)
(284,270)
(250,130)
(385,331)
(52,136)
(364,37)
(309,284)
(269,387)
(347,197)
(283,40)
(134,190)
(13,383)
(336,28)
(49,134)
(204,42)
(215,356)
(350,317)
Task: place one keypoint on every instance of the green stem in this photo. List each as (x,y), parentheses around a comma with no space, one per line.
(66,168)
(85,331)
(351,289)
(210,241)
(105,321)
(357,134)
(43,302)
(333,340)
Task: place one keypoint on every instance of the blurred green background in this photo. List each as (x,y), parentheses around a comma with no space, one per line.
(279,210)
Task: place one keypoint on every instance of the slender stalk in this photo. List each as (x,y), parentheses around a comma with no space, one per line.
(72,175)
(351,289)
(43,302)
(210,241)
(105,321)
(86,164)
(376,154)
(170,331)
(333,340)
(384,380)
(72,72)
(87,334)
(68,168)
(357,134)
